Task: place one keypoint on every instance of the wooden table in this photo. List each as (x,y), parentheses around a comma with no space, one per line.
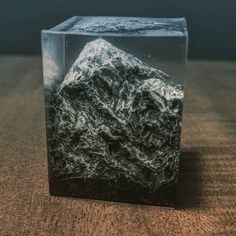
(207,185)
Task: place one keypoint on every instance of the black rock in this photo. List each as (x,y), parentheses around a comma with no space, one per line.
(115,119)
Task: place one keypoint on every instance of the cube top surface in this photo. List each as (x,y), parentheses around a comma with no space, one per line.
(122,26)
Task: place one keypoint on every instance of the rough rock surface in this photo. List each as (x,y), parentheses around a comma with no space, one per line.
(113,117)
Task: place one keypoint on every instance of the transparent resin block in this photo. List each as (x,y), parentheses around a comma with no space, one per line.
(114,100)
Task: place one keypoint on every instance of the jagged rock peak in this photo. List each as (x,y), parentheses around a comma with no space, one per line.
(100,54)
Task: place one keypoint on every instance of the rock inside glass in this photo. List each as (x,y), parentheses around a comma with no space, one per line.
(114,90)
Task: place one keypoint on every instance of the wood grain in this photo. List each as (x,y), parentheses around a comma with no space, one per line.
(207,184)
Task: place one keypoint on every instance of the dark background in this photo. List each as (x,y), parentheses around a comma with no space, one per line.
(211,23)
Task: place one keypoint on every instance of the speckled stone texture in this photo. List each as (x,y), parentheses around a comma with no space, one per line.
(114,129)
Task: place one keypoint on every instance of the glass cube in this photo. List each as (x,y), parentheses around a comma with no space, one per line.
(114,90)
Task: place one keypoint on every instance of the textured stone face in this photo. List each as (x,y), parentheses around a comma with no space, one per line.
(115,118)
